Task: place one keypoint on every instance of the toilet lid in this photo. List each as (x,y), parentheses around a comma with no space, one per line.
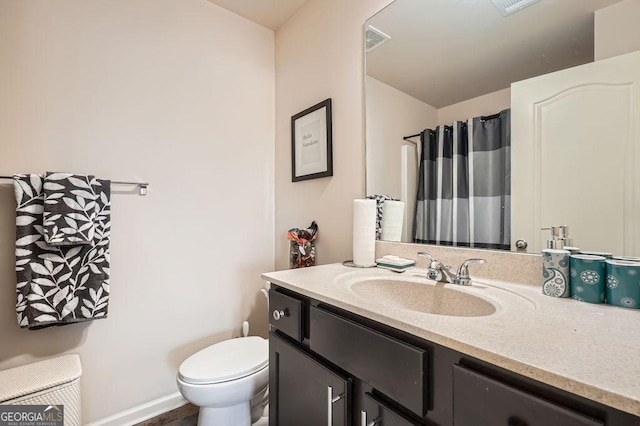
(226,361)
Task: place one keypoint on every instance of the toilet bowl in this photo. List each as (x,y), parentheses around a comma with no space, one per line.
(228,381)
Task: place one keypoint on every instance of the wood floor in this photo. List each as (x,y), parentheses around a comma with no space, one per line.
(186,415)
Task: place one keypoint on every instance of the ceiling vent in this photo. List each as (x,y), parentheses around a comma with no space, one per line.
(507,7)
(374,38)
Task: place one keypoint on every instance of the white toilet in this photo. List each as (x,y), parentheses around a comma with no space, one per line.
(229,381)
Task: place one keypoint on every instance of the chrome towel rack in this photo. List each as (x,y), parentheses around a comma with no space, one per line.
(142,186)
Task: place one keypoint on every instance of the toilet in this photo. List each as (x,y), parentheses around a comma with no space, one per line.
(229,381)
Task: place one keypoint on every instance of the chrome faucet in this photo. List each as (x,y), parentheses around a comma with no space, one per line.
(442,273)
(437,271)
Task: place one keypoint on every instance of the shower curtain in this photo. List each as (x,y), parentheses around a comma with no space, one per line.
(464,187)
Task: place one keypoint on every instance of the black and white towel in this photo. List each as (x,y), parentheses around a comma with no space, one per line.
(69,205)
(64,284)
(380,199)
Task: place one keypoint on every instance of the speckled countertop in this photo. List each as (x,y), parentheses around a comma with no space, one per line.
(589,350)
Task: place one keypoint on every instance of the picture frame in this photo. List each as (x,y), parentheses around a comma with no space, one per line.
(311,143)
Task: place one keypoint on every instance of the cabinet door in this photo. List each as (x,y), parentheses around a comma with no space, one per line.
(302,391)
(378,413)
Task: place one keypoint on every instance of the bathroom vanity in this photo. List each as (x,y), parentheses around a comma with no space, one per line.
(371,347)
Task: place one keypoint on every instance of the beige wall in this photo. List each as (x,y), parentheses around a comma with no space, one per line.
(488,104)
(617,30)
(176,92)
(391,115)
(319,55)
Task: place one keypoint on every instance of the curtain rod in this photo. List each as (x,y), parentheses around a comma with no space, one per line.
(142,186)
(406,138)
(482,118)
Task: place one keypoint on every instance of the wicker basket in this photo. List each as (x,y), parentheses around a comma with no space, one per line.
(53,381)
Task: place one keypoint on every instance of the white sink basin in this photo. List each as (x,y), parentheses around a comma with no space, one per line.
(426,297)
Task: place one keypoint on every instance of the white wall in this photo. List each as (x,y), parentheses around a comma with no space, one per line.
(617,30)
(391,115)
(319,55)
(179,93)
(488,104)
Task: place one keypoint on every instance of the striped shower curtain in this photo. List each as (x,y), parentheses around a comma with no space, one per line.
(464,188)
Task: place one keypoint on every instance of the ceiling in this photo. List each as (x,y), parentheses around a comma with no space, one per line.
(447,51)
(269,13)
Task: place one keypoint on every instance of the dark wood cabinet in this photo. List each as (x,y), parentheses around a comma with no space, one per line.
(286,314)
(376,412)
(479,400)
(302,390)
(393,367)
(332,367)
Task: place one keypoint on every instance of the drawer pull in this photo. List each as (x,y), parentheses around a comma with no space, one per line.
(363,420)
(514,421)
(330,400)
(279,314)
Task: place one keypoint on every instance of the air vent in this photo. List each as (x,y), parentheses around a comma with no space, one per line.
(374,38)
(507,7)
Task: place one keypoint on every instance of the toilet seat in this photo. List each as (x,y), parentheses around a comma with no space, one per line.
(225,361)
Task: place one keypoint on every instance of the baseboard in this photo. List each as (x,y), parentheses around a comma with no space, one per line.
(143,412)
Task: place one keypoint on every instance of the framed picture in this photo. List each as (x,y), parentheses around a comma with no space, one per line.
(311,151)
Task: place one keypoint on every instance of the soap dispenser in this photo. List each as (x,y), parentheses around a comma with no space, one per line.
(559,237)
(555,263)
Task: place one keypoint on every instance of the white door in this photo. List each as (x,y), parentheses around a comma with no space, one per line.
(575,152)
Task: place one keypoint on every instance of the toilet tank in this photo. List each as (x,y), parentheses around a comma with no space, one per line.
(54,381)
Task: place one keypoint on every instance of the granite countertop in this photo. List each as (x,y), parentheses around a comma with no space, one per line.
(589,350)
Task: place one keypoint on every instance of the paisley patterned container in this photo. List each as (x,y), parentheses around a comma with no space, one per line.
(588,278)
(555,273)
(623,283)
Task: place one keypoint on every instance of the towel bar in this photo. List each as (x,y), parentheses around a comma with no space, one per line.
(142,186)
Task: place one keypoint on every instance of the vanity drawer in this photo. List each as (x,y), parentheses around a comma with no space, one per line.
(394,368)
(286,314)
(479,400)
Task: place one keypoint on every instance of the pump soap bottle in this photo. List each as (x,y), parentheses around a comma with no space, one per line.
(559,237)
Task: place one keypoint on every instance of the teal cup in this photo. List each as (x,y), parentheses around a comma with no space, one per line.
(623,283)
(588,274)
(597,253)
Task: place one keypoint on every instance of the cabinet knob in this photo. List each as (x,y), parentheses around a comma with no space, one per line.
(277,314)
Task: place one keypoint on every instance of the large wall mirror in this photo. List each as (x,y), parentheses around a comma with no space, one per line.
(485,125)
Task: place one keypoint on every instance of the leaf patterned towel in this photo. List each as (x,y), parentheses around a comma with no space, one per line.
(60,285)
(380,199)
(68,206)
